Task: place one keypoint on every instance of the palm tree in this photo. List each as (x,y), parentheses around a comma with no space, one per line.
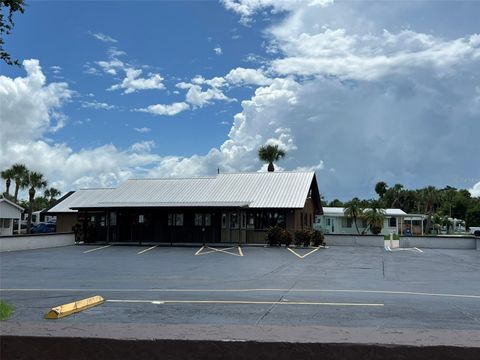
(375,216)
(430,198)
(35,181)
(354,210)
(51,195)
(19,174)
(381,188)
(270,154)
(7,175)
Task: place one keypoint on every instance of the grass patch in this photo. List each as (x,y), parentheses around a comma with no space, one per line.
(6,310)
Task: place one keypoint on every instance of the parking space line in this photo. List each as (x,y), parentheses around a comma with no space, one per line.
(159,290)
(99,248)
(199,251)
(245,302)
(214,250)
(144,251)
(305,255)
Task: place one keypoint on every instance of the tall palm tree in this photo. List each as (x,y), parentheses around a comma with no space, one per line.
(51,195)
(354,210)
(7,175)
(270,154)
(20,173)
(430,198)
(35,181)
(381,188)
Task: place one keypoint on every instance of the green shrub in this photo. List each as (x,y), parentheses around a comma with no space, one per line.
(395,237)
(6,310)
(302,237)
(287,238)
(276,236)
(317,238)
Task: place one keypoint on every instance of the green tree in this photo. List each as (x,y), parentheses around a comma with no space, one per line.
(20,174)
(7,9)
(35,181)
(375,218)
(354,210)
(430,199)
(335,203)
(270,154)
(7,175)
(472,217)
(51,195)
(381,188)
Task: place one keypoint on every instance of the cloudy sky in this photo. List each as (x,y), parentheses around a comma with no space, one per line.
(357,91)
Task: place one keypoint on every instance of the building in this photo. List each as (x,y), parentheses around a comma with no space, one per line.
(67,218)
(237,208)
(334,221)
(9,211)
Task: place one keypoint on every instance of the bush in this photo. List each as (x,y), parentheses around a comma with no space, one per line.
(302,237)
(317,238)
(276,236)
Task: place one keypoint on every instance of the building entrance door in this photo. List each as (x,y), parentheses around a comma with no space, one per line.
(330,225)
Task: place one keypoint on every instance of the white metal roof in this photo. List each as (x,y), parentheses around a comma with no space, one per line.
(79,198)
(11,203)
(255,190)
(339,211)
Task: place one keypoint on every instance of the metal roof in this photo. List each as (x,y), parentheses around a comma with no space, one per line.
(253,190)
(79,198)
(11,203)
(339,211)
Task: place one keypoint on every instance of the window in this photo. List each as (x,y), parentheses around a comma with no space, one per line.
(233,221)
(113,218)
(364,223)
(224,221)
(178,219)
(244,220)
(347,222)
(203,219)
(198,220)
(175,220)
(392,222)
(250,220)
(6,223)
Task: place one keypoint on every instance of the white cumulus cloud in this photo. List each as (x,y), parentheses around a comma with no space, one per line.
(168,110)
(132,82)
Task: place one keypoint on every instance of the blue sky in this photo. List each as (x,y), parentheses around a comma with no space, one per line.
(357,91)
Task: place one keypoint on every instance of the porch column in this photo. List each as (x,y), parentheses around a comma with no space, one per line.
(19,225)
(422,224)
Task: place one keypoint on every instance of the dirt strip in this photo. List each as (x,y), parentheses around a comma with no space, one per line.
(39,348)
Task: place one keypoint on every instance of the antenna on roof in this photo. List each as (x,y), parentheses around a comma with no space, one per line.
(218,170)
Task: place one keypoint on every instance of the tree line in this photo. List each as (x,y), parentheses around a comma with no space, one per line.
(19,176)
(440,205)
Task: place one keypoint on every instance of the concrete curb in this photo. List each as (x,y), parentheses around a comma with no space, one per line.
(74,307)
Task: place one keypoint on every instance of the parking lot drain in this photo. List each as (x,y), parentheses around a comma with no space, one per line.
(74,307)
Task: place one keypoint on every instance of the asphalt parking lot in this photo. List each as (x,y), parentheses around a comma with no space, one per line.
(250,286)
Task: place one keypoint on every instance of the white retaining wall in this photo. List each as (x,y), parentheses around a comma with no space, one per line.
(35,241)
(354,240)
(427,242)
